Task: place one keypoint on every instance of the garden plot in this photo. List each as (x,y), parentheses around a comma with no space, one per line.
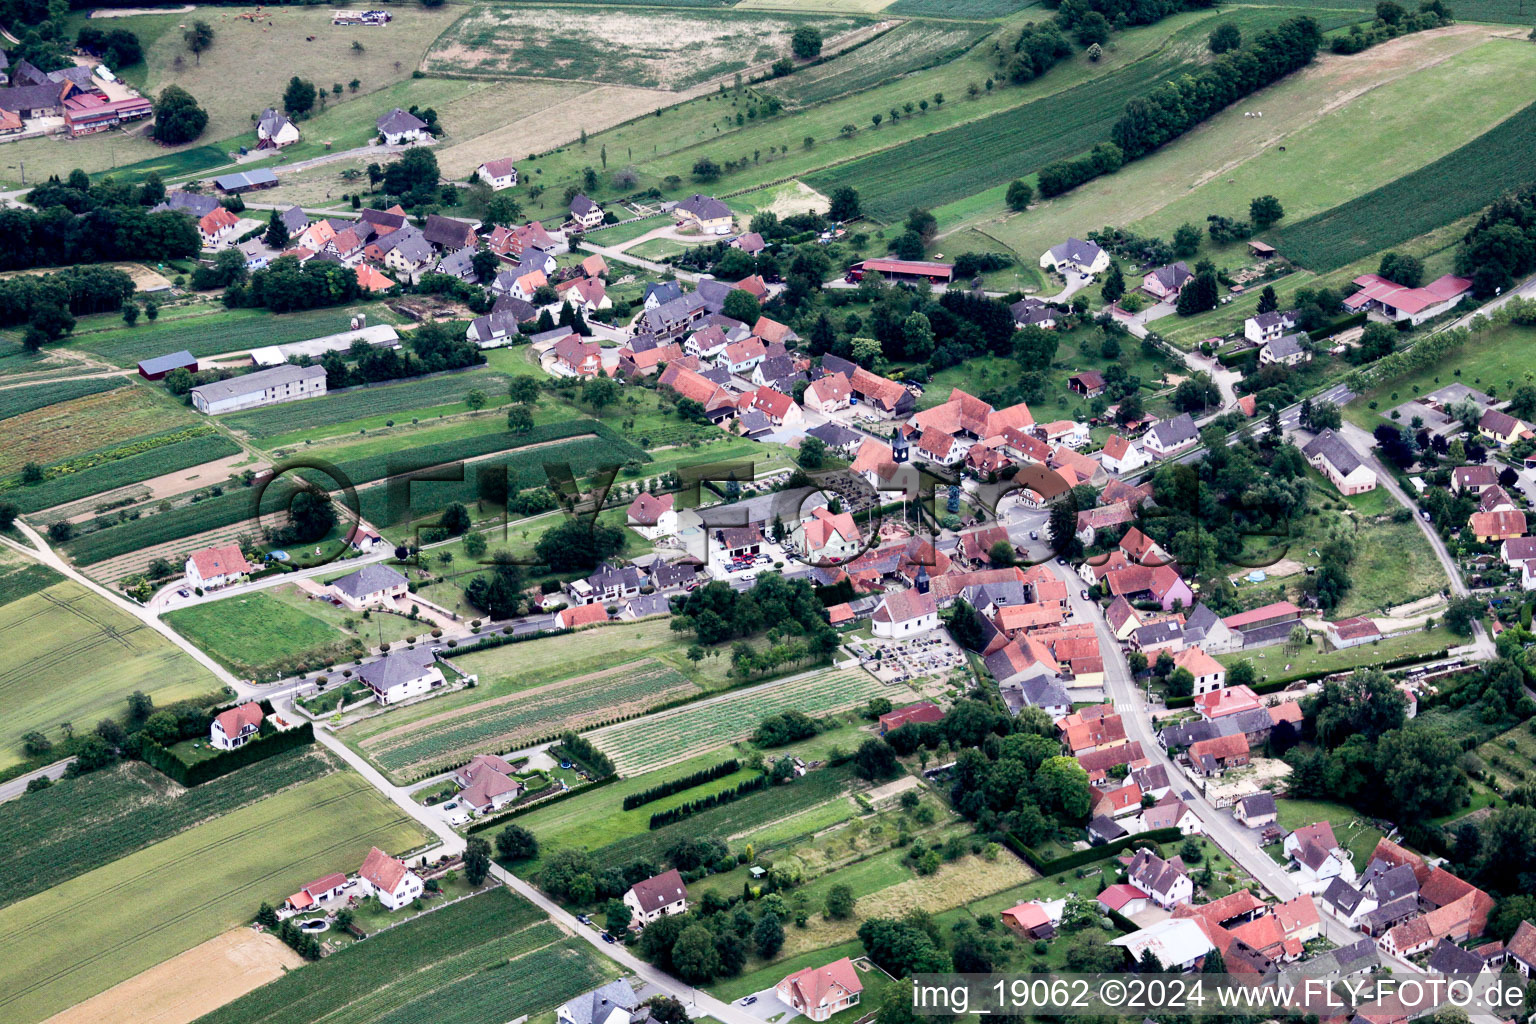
(649,743)
(507,723)
(906,48)
(79,425)
(671,50)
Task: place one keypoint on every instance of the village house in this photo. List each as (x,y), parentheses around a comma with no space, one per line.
(447,234)
(215,225)
(828,394)
(819,992)
(1318,857)
(585,214)
(217,566)
(493,330)
(1266,327)
(275,130)
(236,727)
(1033,312)
(1258,810)
(1473,479)
(922,712)
(498,174)
(401,674)
(1121,456)
(1164,881)
(1213,756)
(778,407)
(826,536)
(1501,428)
(486,784)
(659,896)
(399,127)
(654,513)
(1165,283)
(704,214)
(905,613)
(1169,437)
(580,615)
(587,294)
(578,356)
(388,879)
(1353,632)
(1337,461)
(1075,256)
(613,1003)
(371,585)
(1286,350)
(1209,673)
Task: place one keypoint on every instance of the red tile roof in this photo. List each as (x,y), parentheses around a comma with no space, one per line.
(237,718)
(816,986)
(384,871)
(1280,609)
(646,509)
(582,615)
(224,560)
(923,711)
(905,605)
(1119,894)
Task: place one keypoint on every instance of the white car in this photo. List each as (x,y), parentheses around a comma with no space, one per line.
(748,577)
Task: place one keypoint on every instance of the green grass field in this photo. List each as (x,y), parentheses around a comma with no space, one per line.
(77,658)
(649,743)
(1457,184)
(267,632)
(1321,658)
(15,401)
(77,825)
(908,47)
(126,916)
(213,332)
(1352,832)
(472,963)
(361,408)
(1491,358)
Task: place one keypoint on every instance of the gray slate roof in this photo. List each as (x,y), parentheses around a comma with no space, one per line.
(397,667)
(1333,448)
(1157,633)
(492,326)
(398,120)
(704,207)
(835,435)
(460,263)
(1176,431)
(194,203)
(665,291)
(1449,958)
(1044,692)
(162,364)
(1259,804)
(1173,275)
(1285,346)
(1075,250)
(1274,318)
(599,1003)
(1342,896)
(246,179)
(254,383)
(412,245)
(294,219)
(368,580)
(581,205)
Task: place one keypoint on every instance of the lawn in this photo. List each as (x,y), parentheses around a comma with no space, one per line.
(1319,657)
(212,330)
(186,889)
(261,636)
(644,745)
(1393,564)
(1352,831)
(74,426)
(1510,757)
(15,401)
(482,960)
(1493,358)
(448,738)
(83,657)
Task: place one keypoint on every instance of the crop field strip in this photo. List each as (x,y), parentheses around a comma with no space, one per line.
(77,825)
(971,157)
(393,969)
(236,506)
(508,722)
(218,332)
(252,854)
(25,579)
(1457,185)
(908,47)
(84,657)
(24,398)
(652,742)
(959,8)
(114,471)
(737,818)
(1508,12)
(358,403)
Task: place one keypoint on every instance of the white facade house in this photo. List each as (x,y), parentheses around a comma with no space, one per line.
(657,897)
(1209,673)
(1336,460)
(217,567)
(276,130)
(1169,437)
(653,515)
(905,613)
(1266,327)
(236,727)
(264,387)
(498,174)
(1121,456)
(1075,256)
(371,585)
(388,879)
(398,127)
(402,674)
(613,1003)
(827,536)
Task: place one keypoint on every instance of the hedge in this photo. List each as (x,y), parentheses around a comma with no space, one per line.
(666,789)
(1151,838)
(489,823)
(663,818)
(1342,323)
(258,749)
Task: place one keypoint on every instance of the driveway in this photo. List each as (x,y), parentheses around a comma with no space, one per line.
(769,1007)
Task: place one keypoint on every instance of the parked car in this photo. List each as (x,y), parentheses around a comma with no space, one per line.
(748,577)
(749,1000)
(607,937)
(1085,595)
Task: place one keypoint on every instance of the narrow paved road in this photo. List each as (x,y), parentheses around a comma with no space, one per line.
(41,552)
(17,786)
(699,1003)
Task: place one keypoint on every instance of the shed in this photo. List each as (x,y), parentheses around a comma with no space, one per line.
(158,367)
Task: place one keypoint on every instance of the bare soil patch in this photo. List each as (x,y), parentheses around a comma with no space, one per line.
(79,425)
(191,984)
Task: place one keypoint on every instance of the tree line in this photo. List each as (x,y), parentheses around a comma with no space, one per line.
(677,785)
(692,807)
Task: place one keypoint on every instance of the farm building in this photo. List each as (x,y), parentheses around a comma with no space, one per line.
(158,367)
(265,387)
(246,181)
(1415,305)
(903,270)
